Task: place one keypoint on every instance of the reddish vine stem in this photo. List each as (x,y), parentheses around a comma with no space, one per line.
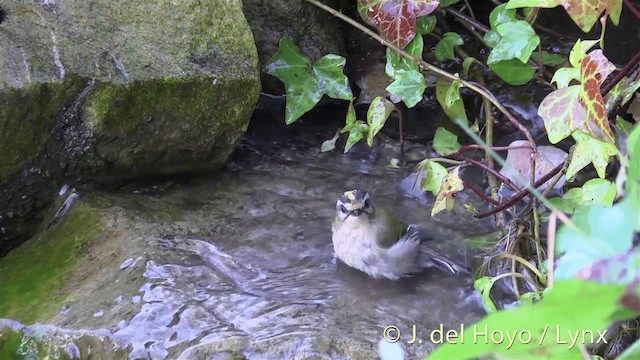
(632,8)
(524,192)
(486,168)
(635,60)
(480,193)
(494,148)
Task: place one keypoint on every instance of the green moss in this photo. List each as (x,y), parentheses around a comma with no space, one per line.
(190,115)
(32,285)
(9,343)
(25,118)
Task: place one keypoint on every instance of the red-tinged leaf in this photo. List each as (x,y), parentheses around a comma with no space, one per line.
(584,13)
(396,19)
(580,107)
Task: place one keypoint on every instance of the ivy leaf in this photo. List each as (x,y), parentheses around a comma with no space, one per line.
(561,310)
(396,63)
(448,95)
(483,285)
(492,38)
(395,19)
(513,71)
(451,185)
(445,3)
(358,132)
(378,113)
(350,119)
(517,41)
(590,150)
(599,191)
(435,174)
(330,144)
(467,62)
(331,79)
(501,15)
(599,233)
(444,48)
(408,86)
(580,107)
(552,59)
(305,83)
(584,13)
(445,142)
(426,24)
(621,93)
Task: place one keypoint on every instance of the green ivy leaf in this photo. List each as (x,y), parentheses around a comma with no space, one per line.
(517,41)
(501,15)
(599,191)
(492,38)
(435,174)
(396,63)
(426,24)
(632,185)
(562,309)
(358,132)
(513,71)
(409,86)
(590,150)
(331,79)
(378,113)
(444,48)
(445,3)
(483,285)
(466,64)
(350,119)
(571,201)
(563,77)
(445,142)
(599,233)
(552,59)
(448,95)
(305,84)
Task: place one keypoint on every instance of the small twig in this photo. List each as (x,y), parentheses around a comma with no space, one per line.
(622,73)
(536,215)
(449,161)
(470,9)
(480,193)
(400,129)
(425,65)
(521,194)
(486,168)
(494,148)
(551,245)
(632,8)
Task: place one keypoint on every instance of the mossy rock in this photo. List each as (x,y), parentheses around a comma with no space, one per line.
(126,90)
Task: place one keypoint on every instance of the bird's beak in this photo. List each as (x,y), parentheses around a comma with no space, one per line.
(357,210)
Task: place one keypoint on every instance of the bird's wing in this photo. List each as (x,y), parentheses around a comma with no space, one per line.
(391,231)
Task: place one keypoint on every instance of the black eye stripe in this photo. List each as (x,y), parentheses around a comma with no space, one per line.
(343,209)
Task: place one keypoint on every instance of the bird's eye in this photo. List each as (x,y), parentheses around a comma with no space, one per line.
(343,209)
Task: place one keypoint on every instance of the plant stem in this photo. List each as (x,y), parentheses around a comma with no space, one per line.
(486,168)
(622,73)
(632,8)
(521,194)
(480,193)
(524,263)
(449,161)
(494,148)
(425,65)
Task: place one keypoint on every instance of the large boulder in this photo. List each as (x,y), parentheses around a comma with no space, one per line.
(117,90)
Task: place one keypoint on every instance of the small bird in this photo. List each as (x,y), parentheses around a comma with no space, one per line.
(377,243)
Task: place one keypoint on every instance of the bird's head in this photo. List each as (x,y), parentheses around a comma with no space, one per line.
(354,203)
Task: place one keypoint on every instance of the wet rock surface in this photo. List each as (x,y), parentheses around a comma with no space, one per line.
(104,91)
(240,265)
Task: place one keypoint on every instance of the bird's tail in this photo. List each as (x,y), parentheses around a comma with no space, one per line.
(430,258)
